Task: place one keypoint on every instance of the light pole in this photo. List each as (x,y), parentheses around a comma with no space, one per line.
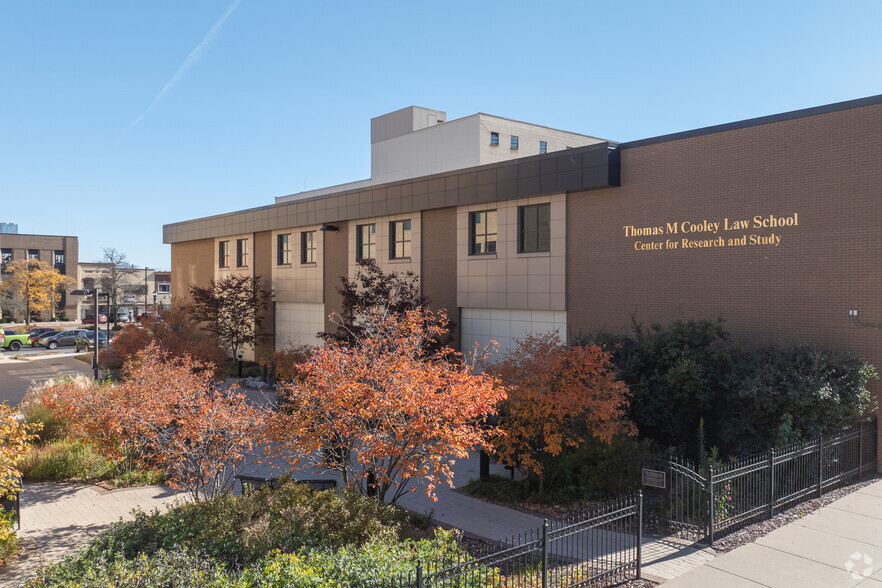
(94,292)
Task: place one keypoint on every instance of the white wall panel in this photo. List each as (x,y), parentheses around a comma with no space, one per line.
(505,326)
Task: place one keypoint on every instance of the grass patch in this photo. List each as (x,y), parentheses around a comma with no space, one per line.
(62,459)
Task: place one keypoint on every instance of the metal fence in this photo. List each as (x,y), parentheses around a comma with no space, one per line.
(600,548)
(754,489)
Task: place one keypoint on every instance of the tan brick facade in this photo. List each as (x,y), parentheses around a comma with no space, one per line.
(46,246)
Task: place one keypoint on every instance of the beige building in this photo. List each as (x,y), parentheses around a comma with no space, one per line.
(139,290)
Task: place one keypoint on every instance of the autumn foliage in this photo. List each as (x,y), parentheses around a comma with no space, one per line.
(168,414)
(173,332)
(389,409)
(557,397)
(15,438)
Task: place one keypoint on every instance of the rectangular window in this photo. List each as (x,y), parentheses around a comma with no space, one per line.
(482,234)
(534,228)
(283,249)
(399,245)
(494,138)
(58,261)
(241,252)
(307,247)
(5,258)
(543,147)
(163,288)
(33,254)
(514,142)
(366,242)
(223,254)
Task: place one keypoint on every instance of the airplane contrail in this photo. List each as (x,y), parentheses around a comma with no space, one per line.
(191,60)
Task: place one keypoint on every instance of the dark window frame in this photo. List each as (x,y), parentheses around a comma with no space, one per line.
(543,147)
(283,249)
(514,141)
(405,238)
(223,254)
(34,254)
(533,237)
(5,258)
(308,247)
(242,252)
(163,288)
(494,138)
(473,233)
(370,246)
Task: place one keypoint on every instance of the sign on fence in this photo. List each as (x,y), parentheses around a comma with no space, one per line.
(654,478)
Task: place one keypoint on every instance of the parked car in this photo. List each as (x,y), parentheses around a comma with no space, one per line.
(13,340)
(148,316)
(86,340)
(36,334)
(90,320)
(62,339)
(122,317)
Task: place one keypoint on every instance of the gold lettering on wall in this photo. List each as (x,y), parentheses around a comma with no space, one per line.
(713,233)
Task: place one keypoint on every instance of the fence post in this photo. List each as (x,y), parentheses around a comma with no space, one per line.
(639,534)
(861,450)
(710,485)
(772,483)
(545,553)
(420,574)
(820,465)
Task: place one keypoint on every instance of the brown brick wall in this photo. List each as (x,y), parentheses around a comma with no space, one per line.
(192,262)
(336,257)
(439,262)
(47,245)
(825,168)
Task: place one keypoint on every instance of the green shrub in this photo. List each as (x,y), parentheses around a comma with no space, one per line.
(676,374)
(793,392)
(54,427)
(171,569)
(238,531)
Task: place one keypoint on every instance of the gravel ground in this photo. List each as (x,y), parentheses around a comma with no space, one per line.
(753,532)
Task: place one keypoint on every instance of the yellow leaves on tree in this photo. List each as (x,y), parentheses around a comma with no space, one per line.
(170,415)
(35,284)
(557,396)
(15,438)
(388,409)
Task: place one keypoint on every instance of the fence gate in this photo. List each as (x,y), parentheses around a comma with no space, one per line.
(675,495)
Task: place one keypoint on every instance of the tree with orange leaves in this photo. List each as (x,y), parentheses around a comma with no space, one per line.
(389,409)
(557,397)
(170,415)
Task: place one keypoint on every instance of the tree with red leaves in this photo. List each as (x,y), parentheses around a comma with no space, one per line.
(557,397)
(387,408)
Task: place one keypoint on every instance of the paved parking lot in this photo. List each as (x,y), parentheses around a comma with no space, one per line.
(19,369)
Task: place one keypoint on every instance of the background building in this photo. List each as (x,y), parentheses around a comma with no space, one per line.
(59,251)
(138,289)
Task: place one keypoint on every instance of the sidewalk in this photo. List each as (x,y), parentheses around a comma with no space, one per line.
(59,518)
(840,545)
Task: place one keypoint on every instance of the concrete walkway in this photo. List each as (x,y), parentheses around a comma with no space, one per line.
(59,518)
(839,545)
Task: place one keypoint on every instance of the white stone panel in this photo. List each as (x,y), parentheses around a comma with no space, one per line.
(297,324)
(506,326)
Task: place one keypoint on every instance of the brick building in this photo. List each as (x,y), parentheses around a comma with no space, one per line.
(774,224)
(61,252)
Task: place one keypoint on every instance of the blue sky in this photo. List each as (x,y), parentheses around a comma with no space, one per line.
(119,117)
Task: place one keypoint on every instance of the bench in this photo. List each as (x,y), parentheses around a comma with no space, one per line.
(252,483)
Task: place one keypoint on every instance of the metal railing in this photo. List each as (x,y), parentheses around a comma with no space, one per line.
(756,488)
(599,548)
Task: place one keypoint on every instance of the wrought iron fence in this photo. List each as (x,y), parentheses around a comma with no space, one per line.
(755,488)
(600,548)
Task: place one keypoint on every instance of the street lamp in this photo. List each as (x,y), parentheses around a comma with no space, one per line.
(96,293)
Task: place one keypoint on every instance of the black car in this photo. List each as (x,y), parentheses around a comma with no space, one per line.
(62,339)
